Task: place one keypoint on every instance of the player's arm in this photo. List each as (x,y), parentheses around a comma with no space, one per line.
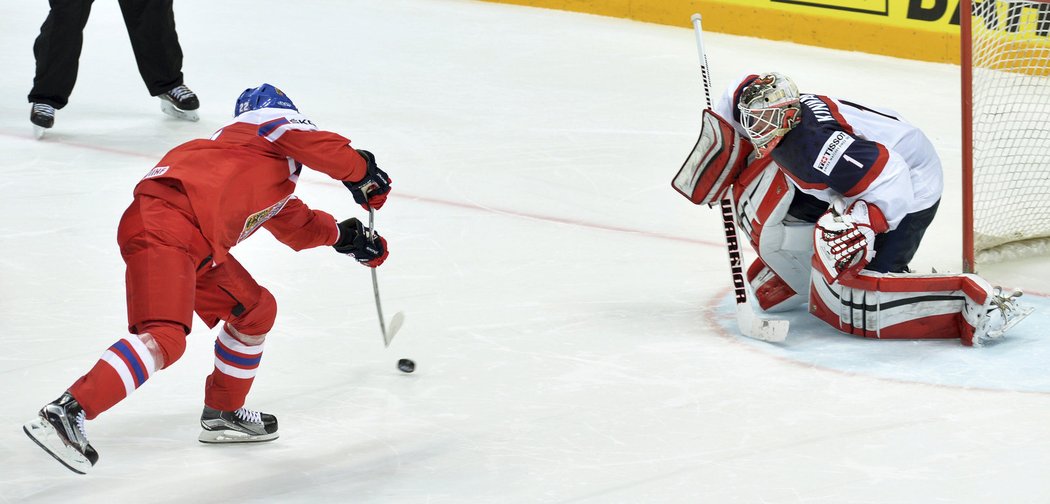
(297,137)
(300,227)
(875,183)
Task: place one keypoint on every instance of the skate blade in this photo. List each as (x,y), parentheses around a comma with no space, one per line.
(173,111)
(45,436)
(38,132)
(230,436)
(1018,315)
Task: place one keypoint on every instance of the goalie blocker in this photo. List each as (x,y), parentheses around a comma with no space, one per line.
(718,158)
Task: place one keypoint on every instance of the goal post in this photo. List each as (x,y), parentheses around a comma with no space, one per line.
(1005,72)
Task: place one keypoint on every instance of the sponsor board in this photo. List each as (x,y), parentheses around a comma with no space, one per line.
(925,30)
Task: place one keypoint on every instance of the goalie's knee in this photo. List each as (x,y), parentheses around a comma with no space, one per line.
(772,292)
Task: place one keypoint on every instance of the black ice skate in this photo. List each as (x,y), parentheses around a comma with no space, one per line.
(180,103)
(59,430)
(241,426)
(42,116)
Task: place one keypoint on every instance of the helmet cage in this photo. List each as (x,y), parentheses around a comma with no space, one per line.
(769,109)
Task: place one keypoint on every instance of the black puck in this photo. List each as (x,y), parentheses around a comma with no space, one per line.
(406,365)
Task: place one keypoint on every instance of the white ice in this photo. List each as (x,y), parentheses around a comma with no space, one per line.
(565,307)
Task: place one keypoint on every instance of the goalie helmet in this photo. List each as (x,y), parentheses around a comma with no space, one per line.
(769,108)
(263,96)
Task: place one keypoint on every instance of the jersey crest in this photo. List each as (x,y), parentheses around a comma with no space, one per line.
(257,219)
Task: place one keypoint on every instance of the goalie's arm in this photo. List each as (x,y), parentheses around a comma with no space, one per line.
(869,171)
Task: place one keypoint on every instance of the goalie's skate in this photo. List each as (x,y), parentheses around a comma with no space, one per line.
(1004,313)
(59,430)
(241,426)
(180,103)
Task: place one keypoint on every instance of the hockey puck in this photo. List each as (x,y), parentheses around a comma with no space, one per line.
(406,365)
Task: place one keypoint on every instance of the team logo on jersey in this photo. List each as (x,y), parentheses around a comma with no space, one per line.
(258,218)
(832,151)
(157,171)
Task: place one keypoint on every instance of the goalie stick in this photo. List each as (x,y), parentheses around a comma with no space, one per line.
(747,323)
(399,318)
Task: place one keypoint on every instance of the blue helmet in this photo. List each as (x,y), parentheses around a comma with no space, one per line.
(264,96)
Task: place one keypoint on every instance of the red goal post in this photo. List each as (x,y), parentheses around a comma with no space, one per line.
(1005,129)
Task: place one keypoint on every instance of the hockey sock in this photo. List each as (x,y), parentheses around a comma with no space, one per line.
(237,357)
(123,367)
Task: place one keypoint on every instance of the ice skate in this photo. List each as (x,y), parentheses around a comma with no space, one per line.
(59,430)
(241,426)
(42,116)
(180,103)
(1005,312)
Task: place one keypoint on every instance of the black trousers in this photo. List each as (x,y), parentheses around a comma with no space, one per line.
(150,24)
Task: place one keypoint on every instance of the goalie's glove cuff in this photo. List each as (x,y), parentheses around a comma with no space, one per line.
(845,243)
(354,241)
(371,190)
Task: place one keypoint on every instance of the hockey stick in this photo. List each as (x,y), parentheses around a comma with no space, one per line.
(747,323)
(399,317)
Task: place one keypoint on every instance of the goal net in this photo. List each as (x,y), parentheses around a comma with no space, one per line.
(1006,129)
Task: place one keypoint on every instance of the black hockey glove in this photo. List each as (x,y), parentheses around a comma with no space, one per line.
(376,183)
(354,241)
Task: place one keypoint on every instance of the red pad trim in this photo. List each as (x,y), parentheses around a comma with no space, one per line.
(918,284)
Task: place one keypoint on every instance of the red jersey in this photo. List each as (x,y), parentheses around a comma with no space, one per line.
(242,178)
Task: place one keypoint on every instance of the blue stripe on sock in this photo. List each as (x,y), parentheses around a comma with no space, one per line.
(240,361)
(132,358)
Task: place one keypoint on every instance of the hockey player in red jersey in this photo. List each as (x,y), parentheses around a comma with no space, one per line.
(835,199)
(203,198)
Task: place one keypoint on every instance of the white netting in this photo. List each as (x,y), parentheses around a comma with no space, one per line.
(1011,124)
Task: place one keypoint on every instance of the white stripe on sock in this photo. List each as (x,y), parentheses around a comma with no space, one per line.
(233,371)
(122,370)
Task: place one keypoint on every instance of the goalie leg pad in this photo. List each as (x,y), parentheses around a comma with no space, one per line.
(771,292)
(764,201)
(905,306)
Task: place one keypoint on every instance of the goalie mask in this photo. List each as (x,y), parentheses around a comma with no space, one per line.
(769,108)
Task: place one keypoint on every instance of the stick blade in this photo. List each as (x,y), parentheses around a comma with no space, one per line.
(395,325)
(771,330)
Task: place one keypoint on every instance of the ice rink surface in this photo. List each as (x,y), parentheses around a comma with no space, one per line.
(567,310)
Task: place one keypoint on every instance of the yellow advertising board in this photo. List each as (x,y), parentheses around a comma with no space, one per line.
(918,29)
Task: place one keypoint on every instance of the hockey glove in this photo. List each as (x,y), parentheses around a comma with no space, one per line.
(354,242)
(376,184)
(845,243)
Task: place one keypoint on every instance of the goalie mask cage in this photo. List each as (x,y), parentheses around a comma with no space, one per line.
(1006,129)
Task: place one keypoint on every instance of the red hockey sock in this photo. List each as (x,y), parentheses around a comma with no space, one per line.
(123,367)
(236,360)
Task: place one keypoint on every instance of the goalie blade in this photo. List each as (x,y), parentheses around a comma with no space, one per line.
(770,330)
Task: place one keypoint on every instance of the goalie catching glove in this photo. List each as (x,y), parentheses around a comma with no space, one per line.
(844,242)
(354,241)
(370,191)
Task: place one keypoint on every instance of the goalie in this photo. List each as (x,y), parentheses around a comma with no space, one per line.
(835,198)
